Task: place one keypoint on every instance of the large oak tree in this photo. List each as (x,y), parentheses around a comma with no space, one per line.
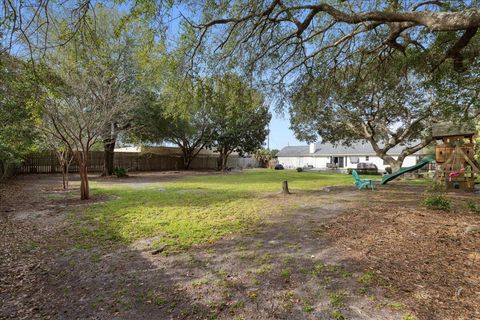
(392,105)
(292,33)
(287,36)
(179,115)
(385,107)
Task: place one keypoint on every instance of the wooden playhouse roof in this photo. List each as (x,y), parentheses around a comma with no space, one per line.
(448,129)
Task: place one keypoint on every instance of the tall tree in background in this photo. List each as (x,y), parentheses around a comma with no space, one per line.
(179,116)
(76,115)
(108,48)
(90,98)
(240,118)
(18,111)
(176,105)
(384,107)
(118,45)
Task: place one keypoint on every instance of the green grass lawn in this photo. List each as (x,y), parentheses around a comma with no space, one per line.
(195,209)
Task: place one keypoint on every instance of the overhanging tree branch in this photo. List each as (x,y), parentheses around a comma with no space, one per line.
(288,23)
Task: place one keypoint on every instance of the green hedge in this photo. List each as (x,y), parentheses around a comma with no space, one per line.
(8,168)
(364,171)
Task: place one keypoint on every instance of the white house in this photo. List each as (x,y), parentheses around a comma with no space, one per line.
(324,155)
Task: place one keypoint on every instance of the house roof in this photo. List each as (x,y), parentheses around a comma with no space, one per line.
(359,148)
(447,129)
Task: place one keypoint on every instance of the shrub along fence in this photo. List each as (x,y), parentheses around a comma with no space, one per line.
(8,168)
(46,162)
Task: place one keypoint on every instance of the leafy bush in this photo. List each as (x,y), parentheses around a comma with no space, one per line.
(264,156)
(337,315)
(437,202)
(436,187)
(370,171)
(299,169)
(435,197)
(472,206)
(9,168)
(120,172)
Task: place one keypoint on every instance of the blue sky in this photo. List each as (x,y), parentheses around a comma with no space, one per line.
(280,134)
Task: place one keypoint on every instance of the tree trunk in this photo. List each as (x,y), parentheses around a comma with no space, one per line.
(394,164)
(67,169)
(220,161)
(84,189)
(224,162)
(64,159)
(187,159)
(108,156)
(186,163)
(64,174)
(2,170)
(285,187)
(83,165)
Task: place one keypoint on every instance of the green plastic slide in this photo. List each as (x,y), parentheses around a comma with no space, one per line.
(390,177)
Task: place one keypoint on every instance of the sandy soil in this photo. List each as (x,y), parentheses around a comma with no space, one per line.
(311,263)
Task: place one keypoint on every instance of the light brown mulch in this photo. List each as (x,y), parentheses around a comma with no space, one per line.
(424,256)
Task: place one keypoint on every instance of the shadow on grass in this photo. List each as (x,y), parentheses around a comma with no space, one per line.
(283,269)
(192,210)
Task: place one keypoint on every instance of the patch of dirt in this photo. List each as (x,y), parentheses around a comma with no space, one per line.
(139,179)
(309,263)
(425,256)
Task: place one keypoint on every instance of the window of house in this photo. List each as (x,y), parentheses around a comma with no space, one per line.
(354,160)
(367,158)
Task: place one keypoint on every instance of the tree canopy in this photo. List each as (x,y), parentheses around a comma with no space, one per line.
(240,118)
(385,107)
(97,71)
(285,36)
(179,115)
(222,113)
(381,70)
(19,109)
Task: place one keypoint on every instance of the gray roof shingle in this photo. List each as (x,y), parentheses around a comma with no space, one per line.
(359,148)
(445,129)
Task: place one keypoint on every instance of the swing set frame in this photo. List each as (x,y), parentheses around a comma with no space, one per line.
(457,165)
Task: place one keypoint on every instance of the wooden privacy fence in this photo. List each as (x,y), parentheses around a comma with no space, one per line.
(46,162)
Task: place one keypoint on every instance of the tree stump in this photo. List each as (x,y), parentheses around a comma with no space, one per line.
(285,187)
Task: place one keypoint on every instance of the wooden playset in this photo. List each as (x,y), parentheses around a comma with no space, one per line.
(456,164)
